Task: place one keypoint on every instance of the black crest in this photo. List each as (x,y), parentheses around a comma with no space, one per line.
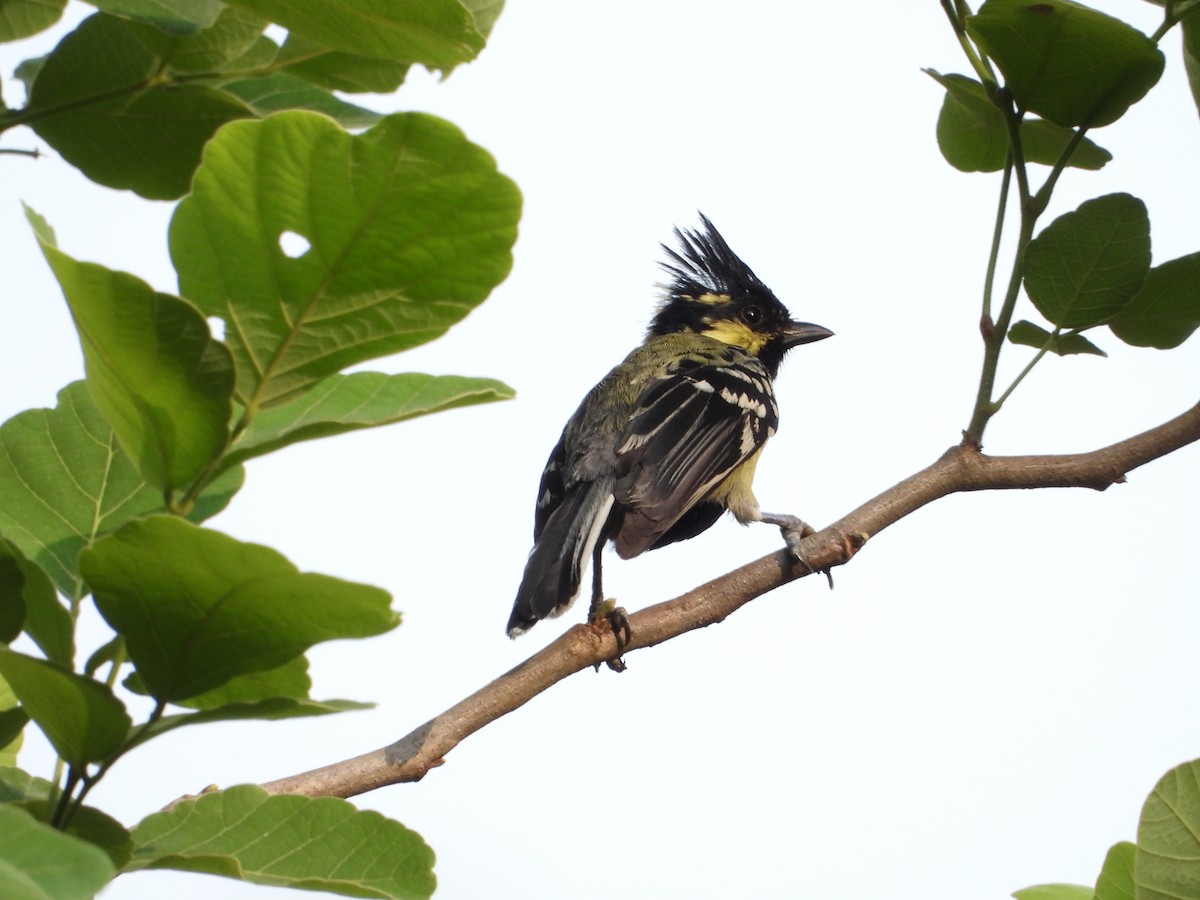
(707,265)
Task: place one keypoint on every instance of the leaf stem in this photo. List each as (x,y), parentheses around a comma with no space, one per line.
(997,233)
(28,117)
(956,12)
(1028,368)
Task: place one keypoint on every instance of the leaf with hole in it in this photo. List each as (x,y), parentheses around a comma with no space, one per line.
(1087,264)
(407,227)
(438,34)
(1029,335)
(81,717)
(1116,877)
(973,138)
(64,481)
(23,18)
(45,619)
(1167,860)
(78,872)
(1166,311)
(1067,63)
(154,370)
(198,608)
(98,101)
(342,403)
(242,832)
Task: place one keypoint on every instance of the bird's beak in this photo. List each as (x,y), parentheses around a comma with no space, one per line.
(804,333)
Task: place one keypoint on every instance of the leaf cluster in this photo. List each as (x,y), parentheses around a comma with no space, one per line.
(1045,76)
(311,249)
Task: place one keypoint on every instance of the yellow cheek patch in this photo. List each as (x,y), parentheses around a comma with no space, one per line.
(737,334)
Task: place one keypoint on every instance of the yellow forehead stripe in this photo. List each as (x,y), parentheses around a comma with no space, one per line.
(738,334)
(713,299)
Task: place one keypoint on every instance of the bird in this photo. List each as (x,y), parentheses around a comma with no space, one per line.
(669,439)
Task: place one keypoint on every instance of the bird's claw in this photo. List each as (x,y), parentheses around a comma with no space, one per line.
(794,530)
(618,622)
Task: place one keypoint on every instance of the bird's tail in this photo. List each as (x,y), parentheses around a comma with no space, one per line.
(560,555)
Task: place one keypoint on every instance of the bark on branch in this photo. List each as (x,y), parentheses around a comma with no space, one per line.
(959,469)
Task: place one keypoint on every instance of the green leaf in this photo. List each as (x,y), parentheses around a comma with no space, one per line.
(27,71)
(337,71)
(1191,55)
(342,403)
(64,481)
(1116,878)
(108,652)
(288,681)
(12,596)
(273,709)
(13,720)
(410,227)
(102,104)
(227,38)
(38,862)
(197,608)
(153,368)
(47,621)
(439,34)
(1166,311)
(1054,892)
(1030,335)
(281,91)
(1167,862)
(17,785)
(973,138)
(96,827)
(244,833)
(1089,263)
(173,16)
(1067,63)
(81,717)
(486,12)
(21,789)
(22,18)
(87,823)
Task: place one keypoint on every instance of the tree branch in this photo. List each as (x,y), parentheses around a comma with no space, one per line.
(959,469)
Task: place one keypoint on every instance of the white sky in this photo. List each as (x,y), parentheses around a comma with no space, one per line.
(996,683)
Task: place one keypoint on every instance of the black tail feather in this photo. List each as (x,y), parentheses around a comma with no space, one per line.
(560,555)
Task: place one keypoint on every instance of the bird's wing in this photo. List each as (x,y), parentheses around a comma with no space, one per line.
(692,428)
(552,487)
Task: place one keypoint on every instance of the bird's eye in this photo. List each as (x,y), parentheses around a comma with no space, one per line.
(752,315)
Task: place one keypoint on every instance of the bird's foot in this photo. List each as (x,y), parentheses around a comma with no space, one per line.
(607,612)
(794,531)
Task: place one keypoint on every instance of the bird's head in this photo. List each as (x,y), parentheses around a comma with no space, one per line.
(712,292)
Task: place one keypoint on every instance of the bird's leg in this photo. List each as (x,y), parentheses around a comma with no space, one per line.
(794,531)
(603,610)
